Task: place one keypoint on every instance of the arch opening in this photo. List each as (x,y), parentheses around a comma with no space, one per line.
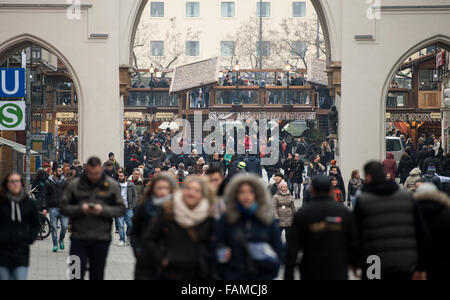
(55,105)
(413,99)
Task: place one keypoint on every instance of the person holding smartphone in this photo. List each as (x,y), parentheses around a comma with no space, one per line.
(92,201)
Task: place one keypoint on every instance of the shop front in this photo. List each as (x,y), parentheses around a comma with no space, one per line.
(414,125)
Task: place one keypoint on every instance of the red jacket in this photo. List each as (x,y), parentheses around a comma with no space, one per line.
(390,165)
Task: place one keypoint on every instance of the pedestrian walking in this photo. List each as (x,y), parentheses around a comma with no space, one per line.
(53,191)
(326,234)
(355,185)
(405,166)
(130,198)
(296,175)
(435,208)
(161,189)
(336,172)
(247,229)
(179,241)
(92,201)
(138,182)
(390,226)
(19,226)
(414,176)
(284,208)
(338,195)
(390,166)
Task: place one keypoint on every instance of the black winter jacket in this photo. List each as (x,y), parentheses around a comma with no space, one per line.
(390,225)
(188,252)
(435,208)
(326,233)
(145,215)
(53,192)
(405,167)
(16,237)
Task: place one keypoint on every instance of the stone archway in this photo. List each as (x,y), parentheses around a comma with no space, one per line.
(23,41)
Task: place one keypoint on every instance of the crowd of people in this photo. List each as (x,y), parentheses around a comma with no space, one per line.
(186,221)
(424,162)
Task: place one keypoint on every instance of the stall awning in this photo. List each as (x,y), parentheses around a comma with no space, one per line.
(15,146)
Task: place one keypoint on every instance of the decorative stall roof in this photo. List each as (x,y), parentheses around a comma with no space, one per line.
(195,75)
(317,71)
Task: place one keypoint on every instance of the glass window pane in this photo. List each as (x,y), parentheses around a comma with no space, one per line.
(299,9)
(157,9)
(157,48)
(227,48)
(228,9)
(192,48)
(192,9)
(265,9)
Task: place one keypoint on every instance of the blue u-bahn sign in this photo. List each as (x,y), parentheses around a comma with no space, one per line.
(12,83)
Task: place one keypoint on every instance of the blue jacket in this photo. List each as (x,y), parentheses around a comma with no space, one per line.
(253,165)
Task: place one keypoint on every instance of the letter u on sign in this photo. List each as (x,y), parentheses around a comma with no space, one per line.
(12,83)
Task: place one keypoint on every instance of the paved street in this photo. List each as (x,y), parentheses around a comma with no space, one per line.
(46,265)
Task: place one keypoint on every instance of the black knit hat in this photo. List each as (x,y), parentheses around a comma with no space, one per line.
(321,184)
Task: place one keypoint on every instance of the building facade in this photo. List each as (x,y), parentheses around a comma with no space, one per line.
(176,32)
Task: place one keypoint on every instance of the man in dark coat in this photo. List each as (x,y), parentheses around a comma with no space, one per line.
(421,156)
(390,227)
(405,167)
(54,188)
(92,201)
(326,233)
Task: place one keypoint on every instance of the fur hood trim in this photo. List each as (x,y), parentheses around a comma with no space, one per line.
(264,213)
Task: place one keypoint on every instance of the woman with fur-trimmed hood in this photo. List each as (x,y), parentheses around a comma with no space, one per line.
(179,241)
(414,176)
(248,222)
(435,208)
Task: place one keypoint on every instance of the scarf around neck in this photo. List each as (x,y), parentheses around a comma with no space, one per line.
(15,205)
(356,183)
(186,217)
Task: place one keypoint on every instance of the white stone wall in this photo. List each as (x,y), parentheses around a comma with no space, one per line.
(93,63)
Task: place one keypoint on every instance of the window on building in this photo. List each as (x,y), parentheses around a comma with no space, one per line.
(228,9)
(299,48)
(227,48)
(265,48)
(192,48)
(157,9)
(192,9)
(428,80)
(299,9)
(264,10)
(157,48)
